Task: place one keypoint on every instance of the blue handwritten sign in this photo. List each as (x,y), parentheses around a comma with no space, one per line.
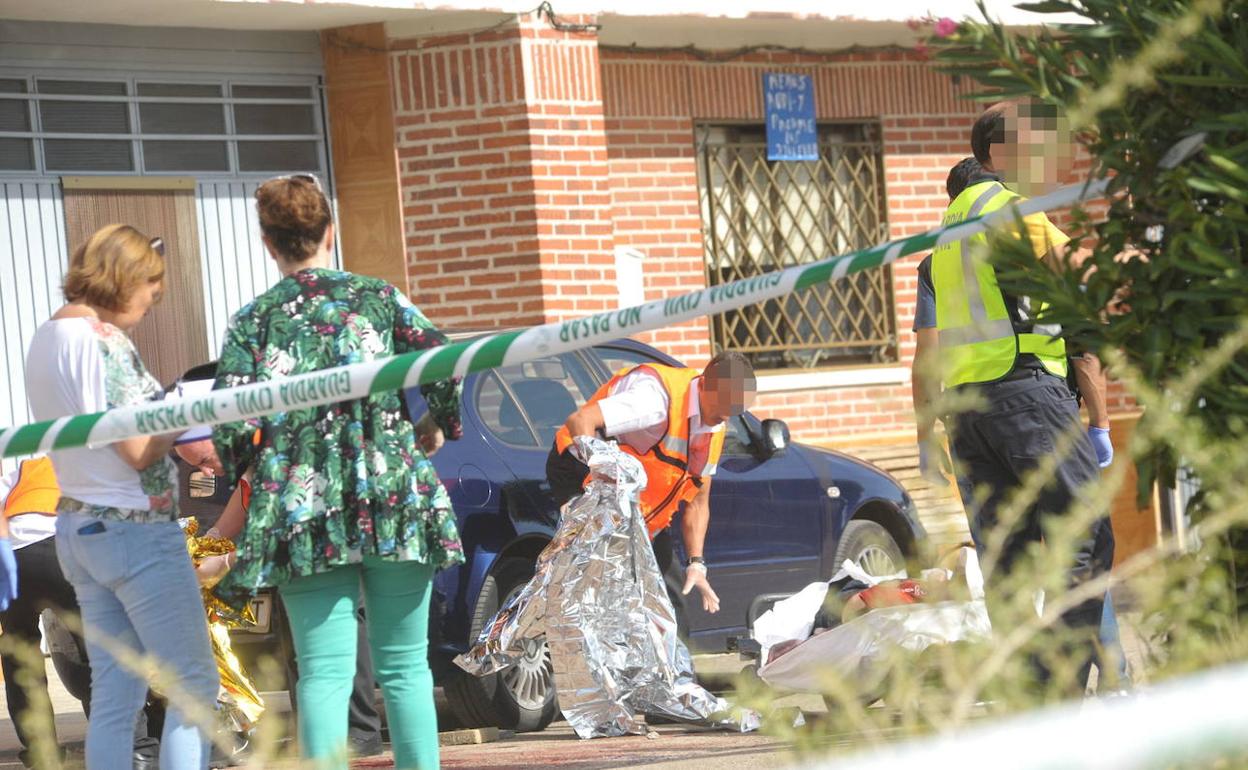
(789,107)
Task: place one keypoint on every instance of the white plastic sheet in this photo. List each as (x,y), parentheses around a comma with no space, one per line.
(860,651)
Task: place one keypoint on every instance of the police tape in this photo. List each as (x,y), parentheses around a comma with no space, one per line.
(502,349)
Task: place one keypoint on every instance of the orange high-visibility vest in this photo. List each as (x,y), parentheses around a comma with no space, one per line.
(669,482)
(36,490)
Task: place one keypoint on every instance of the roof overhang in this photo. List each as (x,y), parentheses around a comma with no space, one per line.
(816,24)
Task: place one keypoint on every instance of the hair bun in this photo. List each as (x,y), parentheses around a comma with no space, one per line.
(293,216)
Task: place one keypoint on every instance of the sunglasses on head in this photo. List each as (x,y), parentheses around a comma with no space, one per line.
(158,245)
(308,178)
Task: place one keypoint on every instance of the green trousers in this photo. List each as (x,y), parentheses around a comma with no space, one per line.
(323,626)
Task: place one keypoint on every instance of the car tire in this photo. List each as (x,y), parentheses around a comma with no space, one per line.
(869,545)
(522,697)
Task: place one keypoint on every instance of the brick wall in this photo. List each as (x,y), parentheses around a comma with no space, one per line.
(527,155)
(502,162)
(653,103)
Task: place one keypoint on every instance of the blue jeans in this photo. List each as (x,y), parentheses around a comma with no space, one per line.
(136,589)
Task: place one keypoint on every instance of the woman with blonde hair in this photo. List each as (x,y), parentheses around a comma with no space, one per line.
(344,496)
(117,533)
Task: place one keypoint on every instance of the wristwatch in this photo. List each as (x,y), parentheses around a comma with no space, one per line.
(696,560)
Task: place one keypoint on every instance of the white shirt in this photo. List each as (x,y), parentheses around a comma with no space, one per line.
(27,528)
(65,375)
(636,411)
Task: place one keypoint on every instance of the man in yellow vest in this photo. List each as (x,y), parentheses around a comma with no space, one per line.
(672,420)
(999,347)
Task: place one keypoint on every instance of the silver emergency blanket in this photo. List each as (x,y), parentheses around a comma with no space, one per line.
(600,601)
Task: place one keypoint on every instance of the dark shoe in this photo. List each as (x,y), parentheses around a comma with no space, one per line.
(360,746)
(147,754)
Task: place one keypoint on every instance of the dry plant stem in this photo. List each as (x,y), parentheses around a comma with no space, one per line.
(40,732)
(151,670)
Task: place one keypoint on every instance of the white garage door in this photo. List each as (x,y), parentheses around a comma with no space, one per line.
(228,132)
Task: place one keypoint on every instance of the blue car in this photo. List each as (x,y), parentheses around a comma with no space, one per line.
(782,516)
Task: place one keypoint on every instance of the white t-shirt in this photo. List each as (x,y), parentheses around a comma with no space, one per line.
(636,411)
(66,374)
(27,528)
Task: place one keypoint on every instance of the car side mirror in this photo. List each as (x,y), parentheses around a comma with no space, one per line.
(775,437)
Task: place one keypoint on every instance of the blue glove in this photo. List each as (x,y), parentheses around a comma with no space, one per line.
(934,464)
(1101,445)
(8,574)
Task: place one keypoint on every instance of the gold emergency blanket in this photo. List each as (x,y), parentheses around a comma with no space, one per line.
(240,703)
(599,599)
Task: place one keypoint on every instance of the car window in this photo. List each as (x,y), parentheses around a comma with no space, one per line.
(737,442)
(500,414)
(615,359)
(526,404)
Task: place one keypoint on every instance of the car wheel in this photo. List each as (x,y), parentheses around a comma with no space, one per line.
(869,545)
(521,697)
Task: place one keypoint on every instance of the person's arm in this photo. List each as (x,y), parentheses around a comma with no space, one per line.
(693,525)
(142,452)
(235,442)
(1093,385)
(8,561)
(924,380)
(234,517)
(414,332)
(586,421)
(638,401)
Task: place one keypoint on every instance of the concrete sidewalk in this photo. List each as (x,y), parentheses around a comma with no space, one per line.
(557,746)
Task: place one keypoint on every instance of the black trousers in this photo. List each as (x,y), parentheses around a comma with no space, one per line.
(566,475)
(1023,422)
(40,585)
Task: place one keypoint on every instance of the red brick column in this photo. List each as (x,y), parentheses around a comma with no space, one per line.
(503,165)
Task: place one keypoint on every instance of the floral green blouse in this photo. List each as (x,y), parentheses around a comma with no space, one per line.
(332,484)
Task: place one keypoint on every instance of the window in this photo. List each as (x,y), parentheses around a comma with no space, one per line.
(141,126)
(760,216)
(737,442)
(525,405)
(615,359)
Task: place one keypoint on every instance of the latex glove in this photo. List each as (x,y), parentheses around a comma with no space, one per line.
(695,575)
(1102,445)
(934,464)
(429,435)
(212,568)
(8,574)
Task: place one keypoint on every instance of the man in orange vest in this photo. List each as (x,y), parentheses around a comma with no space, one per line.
(29,496)
(672,420)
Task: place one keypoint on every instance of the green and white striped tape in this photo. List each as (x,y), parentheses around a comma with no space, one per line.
(504,349)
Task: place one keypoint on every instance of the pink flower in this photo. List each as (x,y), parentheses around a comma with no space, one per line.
(945,27)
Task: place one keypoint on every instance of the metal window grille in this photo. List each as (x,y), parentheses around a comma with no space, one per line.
(72,124)
(759,216)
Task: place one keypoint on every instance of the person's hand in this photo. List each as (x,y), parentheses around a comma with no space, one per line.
(1101,444)
(8,574)
(429,435)
(695,575)
(934,463)
(212,568)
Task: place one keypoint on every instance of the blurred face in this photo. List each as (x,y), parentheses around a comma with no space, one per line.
(139,306)
(1038,151)
(725,397)
(202,456)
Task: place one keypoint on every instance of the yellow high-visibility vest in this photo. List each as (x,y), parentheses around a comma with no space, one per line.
(979,342)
